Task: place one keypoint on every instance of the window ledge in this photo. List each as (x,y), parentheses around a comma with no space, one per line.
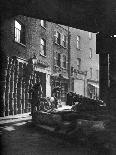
(20,43)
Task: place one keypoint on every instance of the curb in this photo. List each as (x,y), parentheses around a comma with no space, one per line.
(10,119)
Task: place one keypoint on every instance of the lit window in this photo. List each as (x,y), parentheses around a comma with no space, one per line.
(78,42)
(43,23)
(90,54)
(43,47)
(78,63)
(57,37)
(19,32)
(90,35)
(64,61)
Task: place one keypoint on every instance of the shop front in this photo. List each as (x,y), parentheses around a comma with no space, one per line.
(58,80)
(93,90)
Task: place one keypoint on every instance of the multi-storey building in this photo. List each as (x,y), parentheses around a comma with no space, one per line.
(60,64)
(26,46)
(84,63)
(33,49)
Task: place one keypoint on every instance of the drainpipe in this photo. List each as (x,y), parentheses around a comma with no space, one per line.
(69,59)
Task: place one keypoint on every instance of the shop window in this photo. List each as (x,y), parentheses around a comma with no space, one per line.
(43,47)
(19,32)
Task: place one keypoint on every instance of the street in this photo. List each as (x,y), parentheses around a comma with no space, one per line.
(23,138)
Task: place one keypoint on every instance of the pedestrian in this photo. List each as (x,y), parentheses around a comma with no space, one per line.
(37,93)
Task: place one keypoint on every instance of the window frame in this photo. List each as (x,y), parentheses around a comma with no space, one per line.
(19,33)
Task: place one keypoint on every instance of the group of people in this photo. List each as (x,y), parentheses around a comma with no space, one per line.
(37,94)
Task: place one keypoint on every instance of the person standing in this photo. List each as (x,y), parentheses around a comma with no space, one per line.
(37,93)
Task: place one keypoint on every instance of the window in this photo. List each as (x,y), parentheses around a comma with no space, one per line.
(57,37)
(19,32)
(78,63)
(90,35)
(64,40)
(43,23)
(78,42)
(58,59)
(64,61)
(90,72)
(43,47)
(90,54)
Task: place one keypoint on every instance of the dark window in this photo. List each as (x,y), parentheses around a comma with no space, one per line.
(19,32)
(58,59)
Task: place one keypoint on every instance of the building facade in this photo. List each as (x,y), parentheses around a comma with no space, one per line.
(27,53)
(60,76)
(84,63)
(32,50)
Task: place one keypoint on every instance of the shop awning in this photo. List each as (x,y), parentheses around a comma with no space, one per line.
(94,84)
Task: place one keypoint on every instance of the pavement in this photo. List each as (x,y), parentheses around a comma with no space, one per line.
(20,137)
(11,119)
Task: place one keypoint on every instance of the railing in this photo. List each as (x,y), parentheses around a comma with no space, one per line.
(16,85)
